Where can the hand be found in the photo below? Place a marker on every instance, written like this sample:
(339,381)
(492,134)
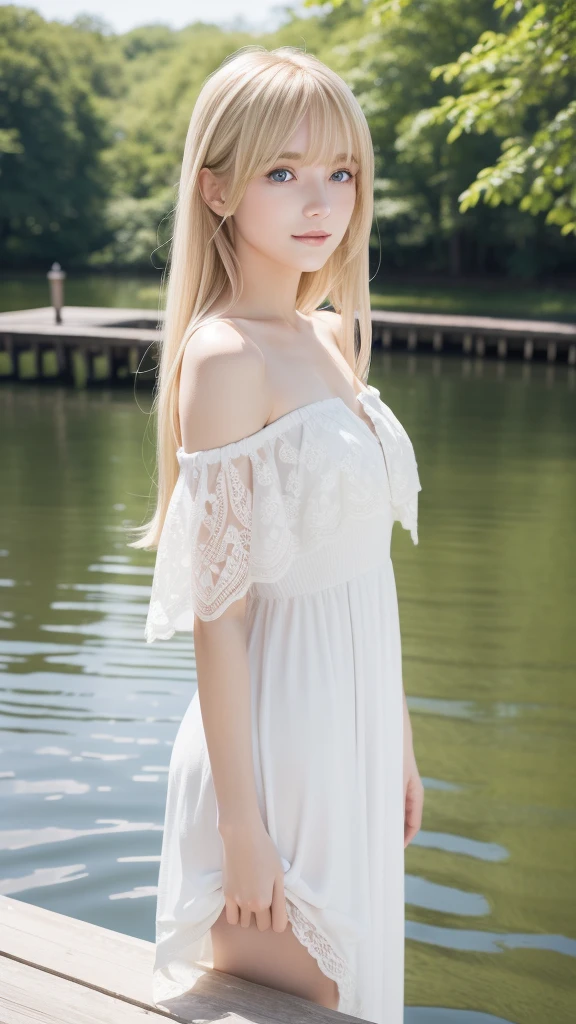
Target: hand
(413,799)
(253,878)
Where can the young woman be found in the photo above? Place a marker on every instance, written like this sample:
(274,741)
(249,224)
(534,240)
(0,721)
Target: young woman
(293,787)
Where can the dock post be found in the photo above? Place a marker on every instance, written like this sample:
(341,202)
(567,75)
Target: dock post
(64,362)
(467,343)
(502,347)
(551,351)
(480,346)
(528,348)
(412,340)
(11,351)
(90,367)
(572,355)
(437,341)
(56,279)
(118,368)
(387,338)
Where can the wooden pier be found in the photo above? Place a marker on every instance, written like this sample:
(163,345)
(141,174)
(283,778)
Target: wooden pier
(483,336)
(54,968)
(107,345)
(92,344)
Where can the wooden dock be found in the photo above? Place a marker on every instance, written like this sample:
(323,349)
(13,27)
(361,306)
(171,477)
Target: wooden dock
(483,336)
(93,344)
(55,969)
(107,345)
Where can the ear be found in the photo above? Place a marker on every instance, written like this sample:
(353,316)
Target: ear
(211,190)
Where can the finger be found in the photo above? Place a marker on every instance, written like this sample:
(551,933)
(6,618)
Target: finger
(245,917)
(409,834)
(279,915)
(412,824)
(263,919)
(415,809)
(232,912)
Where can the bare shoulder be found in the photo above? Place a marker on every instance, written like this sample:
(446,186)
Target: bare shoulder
(333,320)
(223,393)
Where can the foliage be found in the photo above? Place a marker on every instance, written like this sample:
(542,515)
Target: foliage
(388,61)
(92,129)
(519,85)
(139,230)
(53,130)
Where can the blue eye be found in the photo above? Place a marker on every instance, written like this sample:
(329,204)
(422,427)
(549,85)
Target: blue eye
(285,171)
(279,170)
(344,171)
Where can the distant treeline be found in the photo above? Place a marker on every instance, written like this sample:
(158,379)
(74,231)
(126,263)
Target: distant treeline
(470,105)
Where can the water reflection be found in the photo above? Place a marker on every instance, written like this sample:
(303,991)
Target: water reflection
(88,711)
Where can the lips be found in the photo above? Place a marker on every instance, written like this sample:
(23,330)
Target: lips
(313,239)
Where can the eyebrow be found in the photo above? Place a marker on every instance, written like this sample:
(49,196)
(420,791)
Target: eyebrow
(299,156)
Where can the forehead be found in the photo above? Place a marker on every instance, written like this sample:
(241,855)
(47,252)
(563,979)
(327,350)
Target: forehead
(321,137)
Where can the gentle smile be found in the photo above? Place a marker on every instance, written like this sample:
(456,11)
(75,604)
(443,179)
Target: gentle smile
(313,237)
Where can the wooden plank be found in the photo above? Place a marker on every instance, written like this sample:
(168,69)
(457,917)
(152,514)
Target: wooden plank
(97,956)
(216,992)
(479,324)
(83,324)
(62,332)
(93,319)
(76,316)
(120,966)
(28,995)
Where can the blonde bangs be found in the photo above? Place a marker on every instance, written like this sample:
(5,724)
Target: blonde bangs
(275,113)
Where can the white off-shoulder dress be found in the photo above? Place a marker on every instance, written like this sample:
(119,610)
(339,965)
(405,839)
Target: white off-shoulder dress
(297,516)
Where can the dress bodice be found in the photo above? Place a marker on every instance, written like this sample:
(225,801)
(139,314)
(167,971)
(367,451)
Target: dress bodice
(309,498)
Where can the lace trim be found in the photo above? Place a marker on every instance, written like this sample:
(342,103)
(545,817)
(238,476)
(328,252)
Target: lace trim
(240,514)
(332,965)
(241,517)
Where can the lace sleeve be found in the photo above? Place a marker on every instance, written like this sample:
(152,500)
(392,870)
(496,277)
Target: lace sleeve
(204,550)
(241,513)
(228,523)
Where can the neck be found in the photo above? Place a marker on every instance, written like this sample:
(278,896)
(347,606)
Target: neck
(269,289)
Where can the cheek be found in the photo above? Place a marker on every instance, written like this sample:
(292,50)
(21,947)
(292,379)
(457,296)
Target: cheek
(262,209)
(344,200)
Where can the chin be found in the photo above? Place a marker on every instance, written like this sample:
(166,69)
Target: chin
(313,261)
(305,262)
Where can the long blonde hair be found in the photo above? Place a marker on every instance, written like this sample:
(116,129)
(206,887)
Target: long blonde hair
(245,112)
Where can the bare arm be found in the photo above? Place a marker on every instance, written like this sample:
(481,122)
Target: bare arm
(413,787)
(222,398)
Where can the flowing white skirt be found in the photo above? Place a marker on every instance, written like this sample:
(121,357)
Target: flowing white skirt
(326,678)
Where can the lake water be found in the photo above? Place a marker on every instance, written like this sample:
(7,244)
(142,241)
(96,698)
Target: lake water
(89,712)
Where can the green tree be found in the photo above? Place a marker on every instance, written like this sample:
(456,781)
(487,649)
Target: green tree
(162,74)
(518,84)
(386,51)
(53,183)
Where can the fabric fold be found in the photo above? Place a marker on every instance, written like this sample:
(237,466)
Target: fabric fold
(400,459)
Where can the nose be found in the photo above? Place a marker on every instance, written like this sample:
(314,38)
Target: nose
(316,204)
